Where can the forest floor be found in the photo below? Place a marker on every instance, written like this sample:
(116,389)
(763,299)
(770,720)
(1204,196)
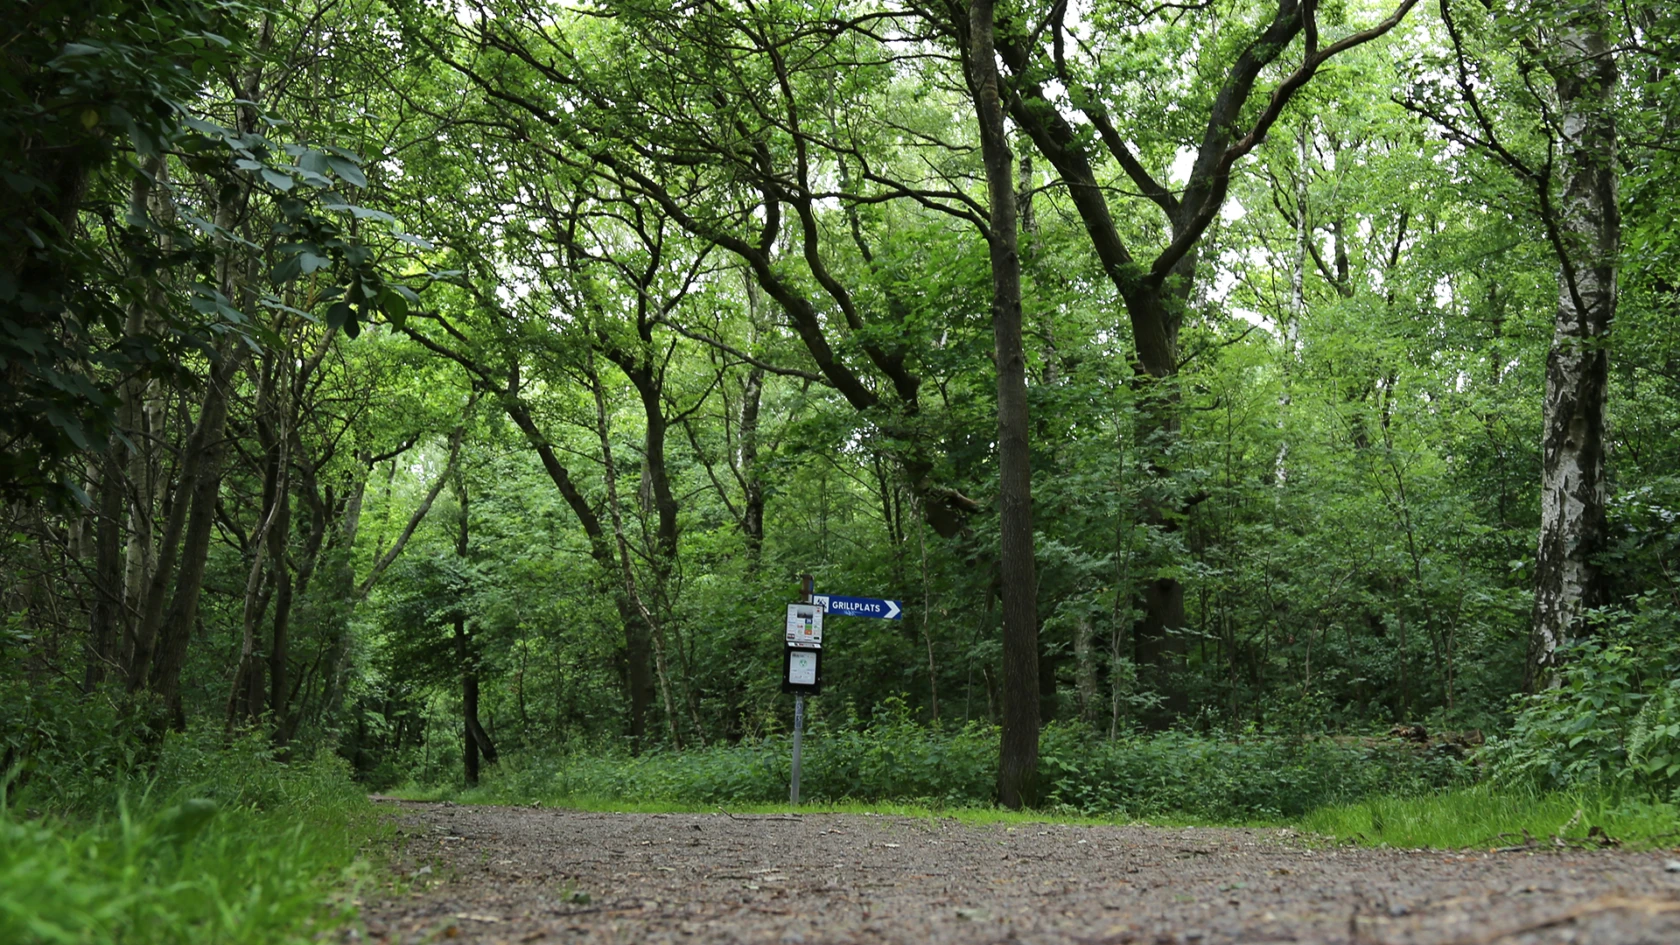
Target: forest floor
(524,875)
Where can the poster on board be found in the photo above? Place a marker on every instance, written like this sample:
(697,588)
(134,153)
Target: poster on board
(804,625)
(802,670)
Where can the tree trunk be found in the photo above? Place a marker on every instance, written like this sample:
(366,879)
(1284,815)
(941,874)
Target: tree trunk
(752,488)
(246,700)
(469,703)
(200,470)
(1567,580)
(1085,669)
(475,742)
(646,623)
(638,676)
(344,593)
(1018,761)
(105,614)
(201,492)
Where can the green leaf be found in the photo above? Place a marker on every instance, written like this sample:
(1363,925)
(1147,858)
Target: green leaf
(287,270)
(367,213)
(347,170)
(395,306)
(277,180)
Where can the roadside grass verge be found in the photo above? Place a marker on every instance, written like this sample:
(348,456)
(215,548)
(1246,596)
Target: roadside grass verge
(1351,791)
(1470,818)
(970,814)
(1168,777)
(218,845)
(1485,817)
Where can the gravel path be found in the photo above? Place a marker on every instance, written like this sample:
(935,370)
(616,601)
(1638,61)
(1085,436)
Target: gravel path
(519,875)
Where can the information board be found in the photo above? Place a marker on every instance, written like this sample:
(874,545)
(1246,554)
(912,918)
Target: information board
(804,624)
(802,670)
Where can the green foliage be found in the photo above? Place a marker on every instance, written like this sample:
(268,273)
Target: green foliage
(130,176)
(1611,721)
(1264,777)
(211,844)
(893,760)
(1485,816)
(75,750)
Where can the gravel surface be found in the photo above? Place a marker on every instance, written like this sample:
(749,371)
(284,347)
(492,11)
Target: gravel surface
(507,874)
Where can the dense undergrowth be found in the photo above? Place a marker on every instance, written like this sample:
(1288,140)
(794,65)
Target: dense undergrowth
(1252,777)
(1591,753)
(1367,791)
(193,838)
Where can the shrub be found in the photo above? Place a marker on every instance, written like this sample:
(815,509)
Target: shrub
(893,759)
(1613,719)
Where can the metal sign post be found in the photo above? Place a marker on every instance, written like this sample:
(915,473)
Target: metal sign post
(802,655)
(809,587)
(798,730)
(802,676)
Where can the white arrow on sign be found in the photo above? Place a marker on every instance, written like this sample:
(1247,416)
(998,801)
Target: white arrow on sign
(892,610)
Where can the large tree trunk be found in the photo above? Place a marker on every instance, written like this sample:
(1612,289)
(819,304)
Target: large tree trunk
(342,592)
(1567,579)
(245,701)
(1018,760)
(195,492)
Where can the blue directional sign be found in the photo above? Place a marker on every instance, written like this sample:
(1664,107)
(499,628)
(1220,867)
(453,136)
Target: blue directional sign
(865,607)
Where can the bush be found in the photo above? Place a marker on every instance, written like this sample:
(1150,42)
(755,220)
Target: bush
(893,759)
(1254,777)
(1613,720)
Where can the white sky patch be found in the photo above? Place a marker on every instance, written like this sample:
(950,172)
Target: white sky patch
(1444,293)
(1183,162)
(1224,283)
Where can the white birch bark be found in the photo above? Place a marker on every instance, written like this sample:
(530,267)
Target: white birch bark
(1587,231)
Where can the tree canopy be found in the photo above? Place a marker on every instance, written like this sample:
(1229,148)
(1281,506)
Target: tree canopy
(450,380)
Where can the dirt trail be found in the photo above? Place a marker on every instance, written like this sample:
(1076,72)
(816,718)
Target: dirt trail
(520,875)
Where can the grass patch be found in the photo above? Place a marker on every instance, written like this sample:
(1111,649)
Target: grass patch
(218,845)
(1483,817)
(989,814)
(1168,777)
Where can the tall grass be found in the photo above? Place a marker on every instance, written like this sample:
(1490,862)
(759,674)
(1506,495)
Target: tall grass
(1485,816)
(893,760)
(207,844)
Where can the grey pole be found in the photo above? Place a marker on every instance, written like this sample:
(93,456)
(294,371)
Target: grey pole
(798,730)
(808,585)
